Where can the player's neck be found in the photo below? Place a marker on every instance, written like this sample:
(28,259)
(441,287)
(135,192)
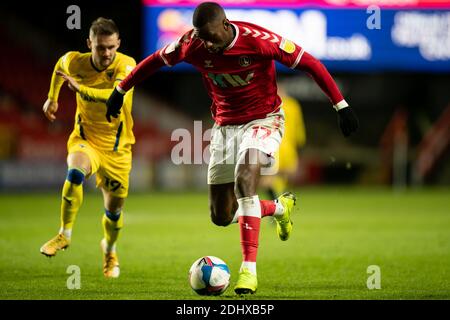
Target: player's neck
(100,68)
(232,35)
(96,68)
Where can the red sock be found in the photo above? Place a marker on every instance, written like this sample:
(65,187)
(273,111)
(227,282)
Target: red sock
(267,208)
(249,227)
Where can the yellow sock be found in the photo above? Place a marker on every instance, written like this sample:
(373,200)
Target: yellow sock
(72,197)
(111,228)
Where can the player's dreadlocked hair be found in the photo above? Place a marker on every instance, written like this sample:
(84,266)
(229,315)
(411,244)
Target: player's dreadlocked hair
(104,27)
(207,12)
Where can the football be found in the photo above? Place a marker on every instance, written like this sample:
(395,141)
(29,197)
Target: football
(209,276)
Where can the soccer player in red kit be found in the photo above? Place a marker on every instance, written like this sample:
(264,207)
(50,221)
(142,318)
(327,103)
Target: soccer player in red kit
(237,63)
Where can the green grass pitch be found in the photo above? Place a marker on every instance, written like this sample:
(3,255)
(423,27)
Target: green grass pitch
(338,233)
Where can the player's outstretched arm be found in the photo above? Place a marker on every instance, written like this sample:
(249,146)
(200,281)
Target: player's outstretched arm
(92,94)
(50,106)
(143,70)
(347,119)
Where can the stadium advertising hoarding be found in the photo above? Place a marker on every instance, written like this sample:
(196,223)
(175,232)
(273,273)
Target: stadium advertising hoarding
(296,3)
(347,35)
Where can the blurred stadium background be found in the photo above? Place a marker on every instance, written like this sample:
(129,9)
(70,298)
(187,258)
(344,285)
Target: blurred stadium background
(396,77)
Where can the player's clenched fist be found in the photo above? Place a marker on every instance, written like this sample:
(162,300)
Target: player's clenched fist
(50,107)
(114,104)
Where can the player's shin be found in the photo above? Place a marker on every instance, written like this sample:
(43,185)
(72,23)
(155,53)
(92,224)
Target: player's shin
(112,224)
(72,198)
(249,222)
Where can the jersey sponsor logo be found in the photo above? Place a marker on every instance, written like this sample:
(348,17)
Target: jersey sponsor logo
(85,97)
(245,61)
(287,46)
(224,80)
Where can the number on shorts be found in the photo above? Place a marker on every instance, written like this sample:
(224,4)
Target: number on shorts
(112,185)
(256,129)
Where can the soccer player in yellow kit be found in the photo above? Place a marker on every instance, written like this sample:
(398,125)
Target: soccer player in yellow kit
(95,146)
(294,137)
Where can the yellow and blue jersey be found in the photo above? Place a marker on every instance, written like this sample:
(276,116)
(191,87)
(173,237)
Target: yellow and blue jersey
(95,89)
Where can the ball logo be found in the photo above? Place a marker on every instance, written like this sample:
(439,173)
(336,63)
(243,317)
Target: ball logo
(245,61)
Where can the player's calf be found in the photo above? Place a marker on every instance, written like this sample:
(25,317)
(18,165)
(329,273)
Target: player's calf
(220,217)
(222,204)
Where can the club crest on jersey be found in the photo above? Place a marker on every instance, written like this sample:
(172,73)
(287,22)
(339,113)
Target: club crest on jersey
(245,61)
(287,46)
(208,64)
(110,74)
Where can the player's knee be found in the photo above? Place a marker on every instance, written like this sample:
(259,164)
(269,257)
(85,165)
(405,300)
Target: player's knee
(113,215)
(75,176)
(219,217)
(114,204)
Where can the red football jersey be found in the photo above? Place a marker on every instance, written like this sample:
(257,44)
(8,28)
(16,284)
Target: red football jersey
(241,80)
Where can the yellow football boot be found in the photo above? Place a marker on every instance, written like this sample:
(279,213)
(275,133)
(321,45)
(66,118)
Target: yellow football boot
(110,262)
(247,282)
(284,222)
(59,242)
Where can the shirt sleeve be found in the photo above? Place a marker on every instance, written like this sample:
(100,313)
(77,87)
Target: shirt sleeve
(293,56)
(322,77)
(178,50)
(283,50)
(169,55)
(56,82)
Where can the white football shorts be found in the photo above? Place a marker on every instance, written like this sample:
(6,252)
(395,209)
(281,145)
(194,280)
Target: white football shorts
(229,142)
